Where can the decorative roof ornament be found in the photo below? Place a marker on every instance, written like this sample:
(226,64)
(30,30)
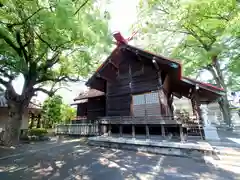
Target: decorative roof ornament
(120,39)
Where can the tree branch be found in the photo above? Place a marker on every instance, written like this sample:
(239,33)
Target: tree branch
(18,38)
(24,21)
(10,43)
(81,7)
(49,45)
(194,34)
(219,17)
(50,92)
(3,82)
(176,31)
(205,33)
(39,37)
(53,60)
(4,73)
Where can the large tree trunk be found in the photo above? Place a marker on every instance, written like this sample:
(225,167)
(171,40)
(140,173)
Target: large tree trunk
(12,127)
(219,79)
(225,108)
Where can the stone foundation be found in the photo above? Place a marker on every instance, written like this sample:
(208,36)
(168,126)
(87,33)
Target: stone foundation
(166,148)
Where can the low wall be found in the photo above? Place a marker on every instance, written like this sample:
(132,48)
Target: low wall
(166,148)
(77,129)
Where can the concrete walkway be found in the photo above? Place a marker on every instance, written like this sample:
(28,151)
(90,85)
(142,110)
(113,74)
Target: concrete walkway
(74,160)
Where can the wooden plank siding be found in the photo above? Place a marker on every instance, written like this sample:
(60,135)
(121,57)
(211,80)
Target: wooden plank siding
(95,108)
(134,77)
(82,109)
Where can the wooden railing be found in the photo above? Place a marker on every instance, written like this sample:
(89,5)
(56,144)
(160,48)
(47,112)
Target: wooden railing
(139,120)
(80,118)
(77,129)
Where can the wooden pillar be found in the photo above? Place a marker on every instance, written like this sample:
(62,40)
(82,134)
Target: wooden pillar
(163,130)
(133,131)
(147,132)
(197,110)
(109,129)
(120,130)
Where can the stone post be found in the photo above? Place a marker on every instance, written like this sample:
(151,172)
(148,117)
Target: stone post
(209,130)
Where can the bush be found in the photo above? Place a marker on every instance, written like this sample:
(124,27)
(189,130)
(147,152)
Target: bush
(37,132)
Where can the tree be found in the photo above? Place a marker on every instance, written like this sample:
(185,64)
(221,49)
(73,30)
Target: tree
(46,42)
(68,113)
(52,111)
(206,36)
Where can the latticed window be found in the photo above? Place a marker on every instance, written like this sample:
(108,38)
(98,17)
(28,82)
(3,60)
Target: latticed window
(146,104)
(152,98)
(138,99)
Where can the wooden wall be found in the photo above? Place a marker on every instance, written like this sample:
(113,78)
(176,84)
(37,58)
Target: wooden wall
(82,109)
(143,78)
(95,108)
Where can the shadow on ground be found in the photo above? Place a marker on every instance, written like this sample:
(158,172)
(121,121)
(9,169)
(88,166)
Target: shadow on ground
(81,162)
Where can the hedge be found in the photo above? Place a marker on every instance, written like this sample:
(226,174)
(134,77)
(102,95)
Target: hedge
(37,132)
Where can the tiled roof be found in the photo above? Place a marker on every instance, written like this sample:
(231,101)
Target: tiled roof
(89,94)
(79,101)
(164,61)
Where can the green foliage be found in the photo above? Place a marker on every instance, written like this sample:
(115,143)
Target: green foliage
(56,112)
(195,32)
(51,112)
(50,41)
(37,132)
(68,113)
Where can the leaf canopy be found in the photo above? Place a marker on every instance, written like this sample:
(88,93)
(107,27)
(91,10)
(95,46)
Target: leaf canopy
(194,32)
(51,40)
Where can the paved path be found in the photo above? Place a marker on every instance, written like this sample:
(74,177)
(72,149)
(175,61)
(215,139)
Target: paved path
(75,160)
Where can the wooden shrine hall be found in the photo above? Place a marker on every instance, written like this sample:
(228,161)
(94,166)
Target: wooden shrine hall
(132,92)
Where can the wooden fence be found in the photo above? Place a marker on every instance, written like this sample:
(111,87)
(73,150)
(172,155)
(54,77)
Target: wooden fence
(139,120)
(77,129)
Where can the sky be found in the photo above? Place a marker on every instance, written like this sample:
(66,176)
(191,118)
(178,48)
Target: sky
(123,14)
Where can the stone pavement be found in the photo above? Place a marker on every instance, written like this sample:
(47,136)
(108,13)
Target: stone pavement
(77,161)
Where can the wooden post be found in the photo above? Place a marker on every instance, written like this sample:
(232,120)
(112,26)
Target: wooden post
(147,132)
(120,130)
(181,133)
(133,131)
(109,130)
(163,130)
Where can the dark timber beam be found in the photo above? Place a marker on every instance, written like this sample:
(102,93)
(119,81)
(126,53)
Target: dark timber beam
(114,65)
(138,56)
(155,63)
(104,77)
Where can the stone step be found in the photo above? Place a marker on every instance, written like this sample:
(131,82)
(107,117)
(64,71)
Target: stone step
(226,164)
(227,151)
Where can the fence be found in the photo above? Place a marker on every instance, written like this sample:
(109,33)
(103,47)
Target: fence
(77,129)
